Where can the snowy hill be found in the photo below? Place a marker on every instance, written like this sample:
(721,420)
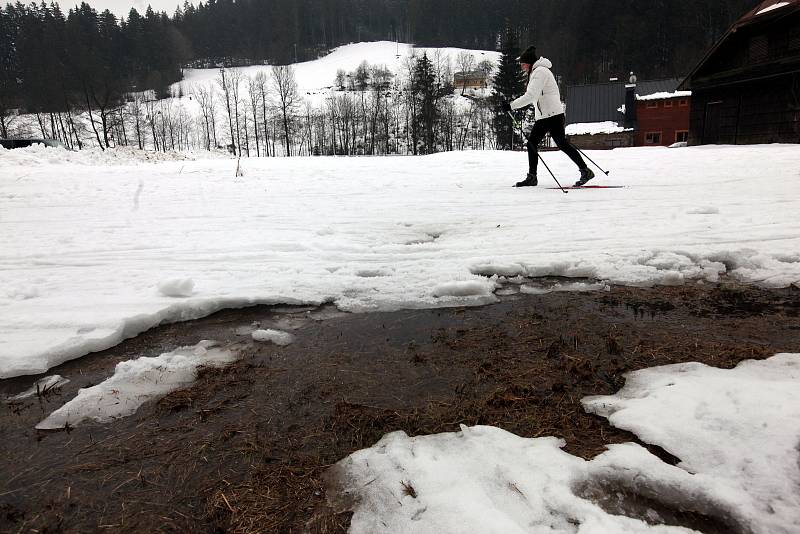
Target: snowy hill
(178,123)
(316,78)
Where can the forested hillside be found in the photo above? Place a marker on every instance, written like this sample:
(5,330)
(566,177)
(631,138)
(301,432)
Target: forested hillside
(50,57)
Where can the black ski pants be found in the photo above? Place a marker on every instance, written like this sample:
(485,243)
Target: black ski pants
(555,126)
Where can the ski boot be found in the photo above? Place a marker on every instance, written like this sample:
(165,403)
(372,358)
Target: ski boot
(530,180)
(586,175)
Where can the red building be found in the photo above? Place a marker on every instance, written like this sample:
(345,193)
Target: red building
(662,119)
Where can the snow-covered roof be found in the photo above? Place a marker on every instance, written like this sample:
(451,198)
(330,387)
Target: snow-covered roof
(593,128)
(764,11)
(776,5)
(767,6)
(664,95)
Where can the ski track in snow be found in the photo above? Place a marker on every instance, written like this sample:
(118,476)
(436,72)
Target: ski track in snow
(80,270)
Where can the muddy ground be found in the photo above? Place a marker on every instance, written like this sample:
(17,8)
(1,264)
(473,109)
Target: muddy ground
(245,448)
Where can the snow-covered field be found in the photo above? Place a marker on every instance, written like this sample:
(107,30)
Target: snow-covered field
(92,254)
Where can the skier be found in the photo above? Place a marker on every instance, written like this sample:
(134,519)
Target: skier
(549,114)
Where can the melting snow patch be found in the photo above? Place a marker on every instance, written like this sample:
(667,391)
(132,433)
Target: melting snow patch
(569,286)
(566,269)
(135,382)
(484,479)
(501,269)
(275,336)
(41,386)
(176,287)
(738,430)
(463,288)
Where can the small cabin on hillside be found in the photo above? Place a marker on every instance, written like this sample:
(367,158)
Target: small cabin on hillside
(747,87)
(474,79)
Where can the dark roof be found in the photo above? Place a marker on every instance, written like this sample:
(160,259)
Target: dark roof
(754,16)
(600,101)
(758,11)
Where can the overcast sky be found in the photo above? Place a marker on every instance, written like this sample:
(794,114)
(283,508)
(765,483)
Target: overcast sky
(121,7)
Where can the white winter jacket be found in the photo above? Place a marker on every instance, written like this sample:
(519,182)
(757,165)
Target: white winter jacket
(542,92)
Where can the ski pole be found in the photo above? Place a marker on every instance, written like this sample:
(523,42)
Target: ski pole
(551,174)
(518,125)
(592,161)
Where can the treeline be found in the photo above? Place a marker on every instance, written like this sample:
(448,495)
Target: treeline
(417,111)
(53,64)
(56,63)
(588,40)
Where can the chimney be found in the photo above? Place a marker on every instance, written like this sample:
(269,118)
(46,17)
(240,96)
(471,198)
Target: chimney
(630,103)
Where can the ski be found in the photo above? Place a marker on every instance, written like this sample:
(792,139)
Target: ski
(590,187)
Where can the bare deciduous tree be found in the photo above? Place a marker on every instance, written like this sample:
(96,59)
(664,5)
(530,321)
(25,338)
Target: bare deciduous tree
(465,63)
(224,83)
(205,99)
(236,79)
(262,87)
(253,92)
(287,98)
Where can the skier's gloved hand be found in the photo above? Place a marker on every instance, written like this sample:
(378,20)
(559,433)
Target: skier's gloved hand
(506,105)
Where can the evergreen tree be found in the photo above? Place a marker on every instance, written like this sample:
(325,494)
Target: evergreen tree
(509,83)
(425,95)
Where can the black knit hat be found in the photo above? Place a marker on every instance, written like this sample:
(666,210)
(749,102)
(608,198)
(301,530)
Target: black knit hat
(529,56)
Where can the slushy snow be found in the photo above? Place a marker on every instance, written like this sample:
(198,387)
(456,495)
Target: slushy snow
(176,287)
(481,479)
(84,247)
(41,386)
(560,288)
(735,431)
(274,336)
(134,382)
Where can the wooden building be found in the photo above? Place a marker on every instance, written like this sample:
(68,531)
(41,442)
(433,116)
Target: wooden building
(747,87)
(470,80)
